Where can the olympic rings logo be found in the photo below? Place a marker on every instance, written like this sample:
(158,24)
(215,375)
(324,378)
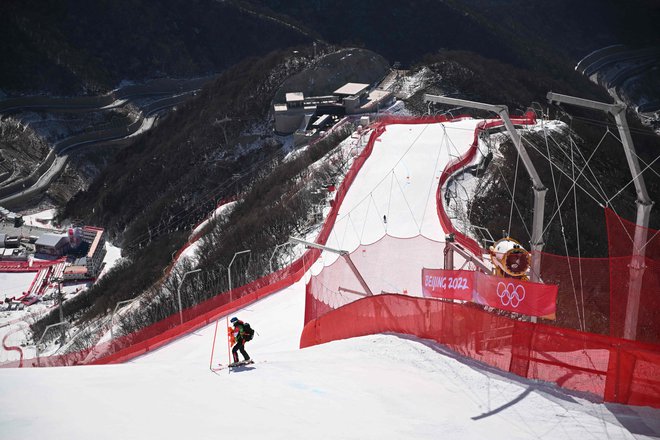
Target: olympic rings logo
(510,294)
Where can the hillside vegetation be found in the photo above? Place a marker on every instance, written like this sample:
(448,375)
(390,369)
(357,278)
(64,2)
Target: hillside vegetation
(77,47)
(470,76)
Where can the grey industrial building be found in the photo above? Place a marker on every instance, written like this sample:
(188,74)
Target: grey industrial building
(54,245)
(299,113)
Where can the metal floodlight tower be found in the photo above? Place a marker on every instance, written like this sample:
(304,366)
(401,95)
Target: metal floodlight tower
(536,242)
(178,291)
(270,261)
(644,203)
(114,313)
(231,297)
(344,254)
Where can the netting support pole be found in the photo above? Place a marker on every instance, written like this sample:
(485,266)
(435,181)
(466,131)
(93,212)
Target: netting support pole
(344,254)
(539,189)
(449,252)
(451,246)
(644,203)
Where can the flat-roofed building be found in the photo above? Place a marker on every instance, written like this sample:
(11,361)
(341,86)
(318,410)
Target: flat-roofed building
(77,270)
(377,99)
(96,239)
(7,254)
(89,266)
(54,245)
(295,99)
(352,89)
(352,96)
(290,115)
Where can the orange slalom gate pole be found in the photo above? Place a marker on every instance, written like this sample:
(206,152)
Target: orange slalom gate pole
(228,346)
(215,334)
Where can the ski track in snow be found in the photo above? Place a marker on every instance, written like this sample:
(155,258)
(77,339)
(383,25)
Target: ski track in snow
(380,386)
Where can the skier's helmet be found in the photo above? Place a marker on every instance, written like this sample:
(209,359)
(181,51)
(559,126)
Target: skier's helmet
(233,320)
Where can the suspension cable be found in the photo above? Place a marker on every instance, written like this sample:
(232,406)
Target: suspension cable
(633,179)
(637,156)
(389,200)
(428,196)
(575,147)
(593,153)
(577,234)
(513,194)
(412,214)
(366,216)
(378,212)
(575,183)
(522,219)
(563,232)
(600,192)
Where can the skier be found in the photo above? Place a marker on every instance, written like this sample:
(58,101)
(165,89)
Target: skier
(239,336)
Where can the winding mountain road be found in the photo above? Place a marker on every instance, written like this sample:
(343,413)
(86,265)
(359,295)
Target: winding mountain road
(174,92)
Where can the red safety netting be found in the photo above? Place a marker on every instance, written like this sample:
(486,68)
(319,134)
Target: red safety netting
(395,265)
(583,299)
(460,163)
(614,369)
(630,273)
(158,334)
(570,352)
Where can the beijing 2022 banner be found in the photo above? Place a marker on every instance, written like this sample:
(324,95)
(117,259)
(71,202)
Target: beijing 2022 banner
(448,284)
(524,297)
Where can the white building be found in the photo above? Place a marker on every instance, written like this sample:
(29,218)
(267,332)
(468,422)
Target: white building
(89,266)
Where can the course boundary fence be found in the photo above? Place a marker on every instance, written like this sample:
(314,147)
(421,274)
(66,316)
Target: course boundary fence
(616,370)
(156,335)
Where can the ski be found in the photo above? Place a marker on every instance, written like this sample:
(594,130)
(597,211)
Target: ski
(236,364)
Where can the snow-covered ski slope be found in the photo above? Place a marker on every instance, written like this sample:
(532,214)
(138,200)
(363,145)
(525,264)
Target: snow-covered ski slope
(382,386)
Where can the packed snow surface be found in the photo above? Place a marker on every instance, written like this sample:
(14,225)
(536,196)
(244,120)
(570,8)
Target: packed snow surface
(382,386)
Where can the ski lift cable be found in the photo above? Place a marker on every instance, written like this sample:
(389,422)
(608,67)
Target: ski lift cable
(596,122)
(601,123)
(180,216)
(211,194)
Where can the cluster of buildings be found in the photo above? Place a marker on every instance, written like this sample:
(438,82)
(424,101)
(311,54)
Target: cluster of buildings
(10,248)
(11,217)
(308,117)
(84,247)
